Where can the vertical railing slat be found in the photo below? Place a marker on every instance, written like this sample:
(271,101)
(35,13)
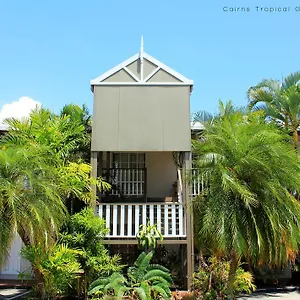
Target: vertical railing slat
(158,217)
(101,211)
(107,218)
(122,220)
(174,220)
(137,218)
(180,220)
(144,213)
(129,220)
(151,216)
(166,217)
(115,220)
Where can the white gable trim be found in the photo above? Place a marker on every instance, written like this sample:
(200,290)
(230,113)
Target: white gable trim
(152,74)
(143,81)
(115,69)
(167,69)
(131,74)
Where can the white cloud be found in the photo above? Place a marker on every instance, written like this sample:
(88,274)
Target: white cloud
(18,109)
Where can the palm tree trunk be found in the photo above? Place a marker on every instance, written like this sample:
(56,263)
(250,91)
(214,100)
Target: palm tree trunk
(232,271)
(37,274)
(295,136)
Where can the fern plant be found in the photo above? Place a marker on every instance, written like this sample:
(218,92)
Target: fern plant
(143,281)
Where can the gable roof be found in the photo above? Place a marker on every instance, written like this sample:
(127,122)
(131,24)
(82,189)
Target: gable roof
(141,69)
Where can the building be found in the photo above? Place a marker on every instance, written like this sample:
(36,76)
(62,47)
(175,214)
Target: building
(141,144)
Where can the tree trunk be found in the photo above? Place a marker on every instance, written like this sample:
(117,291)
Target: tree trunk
(295,136)
(40,288)
(232,271)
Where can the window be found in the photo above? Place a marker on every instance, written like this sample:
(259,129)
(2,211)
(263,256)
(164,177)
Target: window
(129,160)
(129,174)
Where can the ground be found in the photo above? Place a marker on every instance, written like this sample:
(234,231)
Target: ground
(291,294)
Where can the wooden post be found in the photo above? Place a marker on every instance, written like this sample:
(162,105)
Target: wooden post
(94,164)
(189,219)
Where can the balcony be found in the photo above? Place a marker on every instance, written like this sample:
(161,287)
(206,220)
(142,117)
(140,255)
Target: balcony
(123,220)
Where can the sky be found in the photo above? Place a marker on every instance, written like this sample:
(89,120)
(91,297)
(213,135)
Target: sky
(50,50)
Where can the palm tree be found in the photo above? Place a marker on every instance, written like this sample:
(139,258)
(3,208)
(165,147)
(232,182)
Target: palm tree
(279,100)
(61,134)
(245,209)
(30,197)
(37,175)
(65,137)
(81,116)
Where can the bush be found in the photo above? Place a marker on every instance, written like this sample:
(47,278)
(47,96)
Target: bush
(210,282)
(143,281)
(57,268)
(85,231)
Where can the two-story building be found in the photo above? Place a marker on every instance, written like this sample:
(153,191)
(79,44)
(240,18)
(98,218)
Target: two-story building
(141,144)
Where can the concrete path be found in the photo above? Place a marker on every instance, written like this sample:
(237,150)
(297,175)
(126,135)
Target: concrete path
(280,295)
(6,294)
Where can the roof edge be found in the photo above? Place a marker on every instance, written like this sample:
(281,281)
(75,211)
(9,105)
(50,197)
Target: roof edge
(143,81)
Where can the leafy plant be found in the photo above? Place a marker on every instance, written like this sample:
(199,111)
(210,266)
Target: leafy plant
(171,259)
(58,267)
(211,281)
(143,281)
(148,236)
(85,231)
(245,209)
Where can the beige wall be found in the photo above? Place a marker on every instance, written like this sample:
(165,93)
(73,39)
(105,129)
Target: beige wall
(141,118)
(161,174)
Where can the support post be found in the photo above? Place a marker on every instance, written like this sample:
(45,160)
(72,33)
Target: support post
(189,219)
(94,164)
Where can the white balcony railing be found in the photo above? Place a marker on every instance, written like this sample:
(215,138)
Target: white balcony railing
(128,182)
(124,220)
(197,183)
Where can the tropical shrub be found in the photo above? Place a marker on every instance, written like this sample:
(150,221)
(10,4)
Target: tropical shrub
(211,280)
(172,260)
(85,231)
(143,281)
(148,236)
(58,267)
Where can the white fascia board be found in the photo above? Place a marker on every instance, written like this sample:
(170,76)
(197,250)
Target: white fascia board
(117,68)
(4,127)
(168,69)
(197,126)
(143,83)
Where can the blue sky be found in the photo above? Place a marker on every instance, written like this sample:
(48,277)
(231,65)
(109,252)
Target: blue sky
(49,50)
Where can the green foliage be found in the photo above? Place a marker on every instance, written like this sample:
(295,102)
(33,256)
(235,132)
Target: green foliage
(76,181)
(173,260)
(80,115)
(61,134)
(248,169)
(280,101)
(85,231)
(211,281)
(144,281)
(247,207)
(148,236)
(30,198)
(58,266)
(39,171)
